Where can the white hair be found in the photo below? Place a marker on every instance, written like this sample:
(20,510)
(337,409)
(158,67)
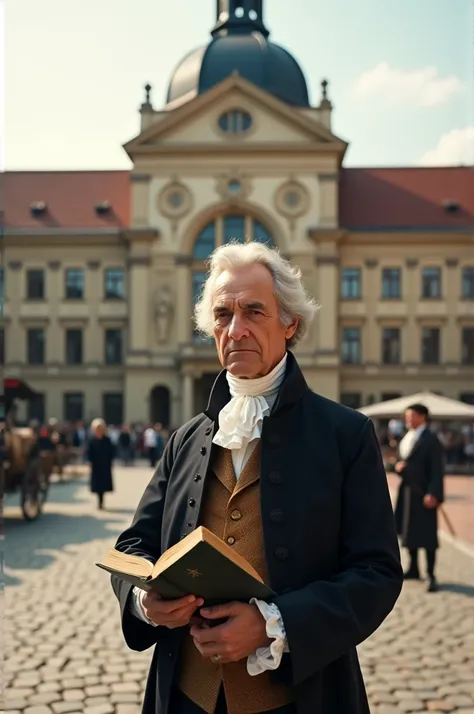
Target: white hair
(96,423)
(293,300)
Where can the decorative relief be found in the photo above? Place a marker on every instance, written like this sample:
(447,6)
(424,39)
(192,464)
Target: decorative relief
(93,265)
(412,262)
(163,309)
(292,199)
(175,200)
(15,264)
(54,264)
(371,263)
(233,186)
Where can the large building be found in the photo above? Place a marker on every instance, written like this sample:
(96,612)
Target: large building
(102,268)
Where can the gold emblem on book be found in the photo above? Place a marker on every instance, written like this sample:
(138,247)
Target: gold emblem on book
(193,573)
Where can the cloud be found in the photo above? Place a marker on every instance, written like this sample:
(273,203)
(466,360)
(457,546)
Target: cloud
(421,87)
(454,148)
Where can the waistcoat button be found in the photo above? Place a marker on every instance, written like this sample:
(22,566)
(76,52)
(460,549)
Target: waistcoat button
(192,502)
(203,450)
(276,516)
(197,477)
(236,515)
(231,540)
(275,477)
(282,553)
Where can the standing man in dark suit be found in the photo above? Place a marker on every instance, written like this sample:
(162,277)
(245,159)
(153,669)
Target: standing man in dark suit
(421,466)
(294,483)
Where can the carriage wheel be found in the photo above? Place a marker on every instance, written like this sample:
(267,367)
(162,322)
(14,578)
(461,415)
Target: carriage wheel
(34,490)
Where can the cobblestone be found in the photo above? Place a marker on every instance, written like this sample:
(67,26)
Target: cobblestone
(75,660)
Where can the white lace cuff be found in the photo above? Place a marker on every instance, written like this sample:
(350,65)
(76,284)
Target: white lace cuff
(136,606)
(269,657)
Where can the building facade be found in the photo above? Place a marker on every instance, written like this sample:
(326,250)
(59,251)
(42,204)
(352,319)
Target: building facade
(101,269)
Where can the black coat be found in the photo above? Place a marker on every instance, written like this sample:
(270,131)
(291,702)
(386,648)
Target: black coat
(332,552)
(101,453)
(424,474)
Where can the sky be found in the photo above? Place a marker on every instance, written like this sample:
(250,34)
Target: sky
(401,74)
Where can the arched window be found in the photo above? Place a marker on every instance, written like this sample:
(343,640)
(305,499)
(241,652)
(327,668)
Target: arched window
(232,227)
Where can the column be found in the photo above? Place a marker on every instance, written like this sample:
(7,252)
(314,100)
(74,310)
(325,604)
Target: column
(54,295)
(371,331)
(184,299)
(139,322)
(451,329)
(327,296)
(411,290)
(187,397)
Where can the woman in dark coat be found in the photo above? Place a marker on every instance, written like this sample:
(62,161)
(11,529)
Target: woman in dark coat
(100,456)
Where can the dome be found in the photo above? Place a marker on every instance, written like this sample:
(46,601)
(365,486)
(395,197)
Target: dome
(253,56)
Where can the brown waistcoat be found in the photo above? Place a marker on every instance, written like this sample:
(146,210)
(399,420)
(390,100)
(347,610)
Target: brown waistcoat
(231,510)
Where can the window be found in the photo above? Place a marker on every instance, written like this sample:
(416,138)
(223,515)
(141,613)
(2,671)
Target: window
(2,346)
(351,399)
(468,282)
(36,409)
(351,283)
(467,397)
(35,345)
(113,347)
(351,345)
(391,344)
(431,283)
(35,284)
(114,284)
(74,284)
(261,234)
(430,345)
(467,340)
(74,346)
(205,242)
(387,396)
(391,283)
(235,122)
(112,408)
(73,406)
(234,229)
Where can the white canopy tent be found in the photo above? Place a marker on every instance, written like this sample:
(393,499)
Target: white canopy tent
(439,407)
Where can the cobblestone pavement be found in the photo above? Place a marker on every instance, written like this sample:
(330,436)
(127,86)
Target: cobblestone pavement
(64,647)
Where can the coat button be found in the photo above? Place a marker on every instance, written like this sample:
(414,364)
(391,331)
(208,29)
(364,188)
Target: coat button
(282,553)
(197,477)
(276,516)
(231,540)
(275,477)
(192,502)
(274,439)
(203,450)
(236,515)
(208,430)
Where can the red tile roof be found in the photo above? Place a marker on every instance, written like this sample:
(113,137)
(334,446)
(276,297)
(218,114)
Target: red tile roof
(370,199)
(408,198)
(70,197)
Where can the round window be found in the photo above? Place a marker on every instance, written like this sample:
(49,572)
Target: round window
(235,121)
(234,186)
(292,199)
(176,199)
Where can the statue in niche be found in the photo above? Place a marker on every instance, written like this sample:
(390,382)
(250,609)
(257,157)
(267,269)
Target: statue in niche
(163,312)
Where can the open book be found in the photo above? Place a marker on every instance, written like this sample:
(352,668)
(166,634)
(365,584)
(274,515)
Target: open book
(201,564)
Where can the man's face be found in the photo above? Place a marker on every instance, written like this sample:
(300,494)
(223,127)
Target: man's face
(249,336)
(413,420)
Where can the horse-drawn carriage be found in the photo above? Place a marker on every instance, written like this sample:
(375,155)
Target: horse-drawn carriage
(27,466)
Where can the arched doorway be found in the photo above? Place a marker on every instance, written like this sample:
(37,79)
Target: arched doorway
(160,406)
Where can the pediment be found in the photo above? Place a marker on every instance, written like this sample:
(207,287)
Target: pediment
(195,124)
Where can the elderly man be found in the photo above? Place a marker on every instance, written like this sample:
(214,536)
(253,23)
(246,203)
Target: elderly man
(295,483)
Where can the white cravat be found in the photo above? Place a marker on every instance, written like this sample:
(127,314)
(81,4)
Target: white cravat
(240,421)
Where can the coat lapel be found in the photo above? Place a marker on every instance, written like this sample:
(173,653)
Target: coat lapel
(418,443)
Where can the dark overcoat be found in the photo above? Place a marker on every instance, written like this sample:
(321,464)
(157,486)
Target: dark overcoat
(424,474)
(100,454)
(329,534)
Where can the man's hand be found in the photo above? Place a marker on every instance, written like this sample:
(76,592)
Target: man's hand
(242,634)
(170,613)
(400,466)
(430,501)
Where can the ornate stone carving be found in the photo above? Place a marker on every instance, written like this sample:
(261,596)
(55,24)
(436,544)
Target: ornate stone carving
(54,264)
(412,262)
(175,200)
(292,199)
(233,186)
(452,262)
(371,263)
(15,264)
(327,260)
(93,264)
(163,309)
